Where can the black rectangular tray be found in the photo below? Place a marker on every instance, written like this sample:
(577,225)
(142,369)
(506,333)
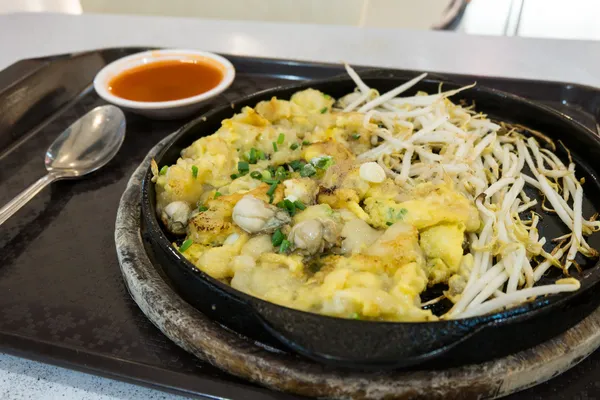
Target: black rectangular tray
(62,299)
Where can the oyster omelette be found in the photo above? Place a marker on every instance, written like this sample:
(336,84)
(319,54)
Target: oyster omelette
(341,207)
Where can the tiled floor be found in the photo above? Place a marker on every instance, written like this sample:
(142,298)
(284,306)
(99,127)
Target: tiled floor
(573,19)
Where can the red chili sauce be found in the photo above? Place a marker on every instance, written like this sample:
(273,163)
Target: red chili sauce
(166,80)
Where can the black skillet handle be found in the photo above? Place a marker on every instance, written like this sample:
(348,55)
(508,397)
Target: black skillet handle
(363,344)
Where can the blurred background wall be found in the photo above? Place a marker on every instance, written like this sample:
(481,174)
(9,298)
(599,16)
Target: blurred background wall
(572,19)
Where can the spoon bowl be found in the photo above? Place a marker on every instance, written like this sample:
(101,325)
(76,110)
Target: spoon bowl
(87,145)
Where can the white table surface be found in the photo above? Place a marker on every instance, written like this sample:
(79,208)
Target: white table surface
(34,35)
(30,35)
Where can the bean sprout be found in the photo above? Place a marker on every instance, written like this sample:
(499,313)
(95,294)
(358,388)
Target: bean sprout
(426,137)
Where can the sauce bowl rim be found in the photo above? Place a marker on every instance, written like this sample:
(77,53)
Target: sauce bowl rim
(102,78)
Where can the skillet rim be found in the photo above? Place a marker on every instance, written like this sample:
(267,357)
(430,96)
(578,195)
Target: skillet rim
(518,313)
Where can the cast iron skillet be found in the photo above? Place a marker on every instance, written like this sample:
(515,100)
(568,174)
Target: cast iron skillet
(367,344)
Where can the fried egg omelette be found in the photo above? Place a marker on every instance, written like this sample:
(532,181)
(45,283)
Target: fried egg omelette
(277,205)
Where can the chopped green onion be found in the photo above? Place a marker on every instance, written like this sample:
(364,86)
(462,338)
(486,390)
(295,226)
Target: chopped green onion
(393,215)
(233,176)
(261,155)
(355,136)
(285,245)
(290,206)
(280,138)
(281,173)
(323,110)
(277,238)
(253,155)
(322,162)
(243,167)
(355,316)
(218,194)
(299,205)
(256,175)
(274,146)
(185,245)
(272,188)
(271,191)
(163,170)
(266,174)
(305,143)
(202,208)
(296,164)
(308,170)
(270,181)
(194,171)
(294,146)
(389,223)
(390,214)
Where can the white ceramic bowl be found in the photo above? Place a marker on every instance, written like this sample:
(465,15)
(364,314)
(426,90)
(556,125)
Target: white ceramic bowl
(163,109)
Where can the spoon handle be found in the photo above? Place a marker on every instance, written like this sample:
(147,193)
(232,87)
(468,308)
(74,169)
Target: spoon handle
(22,198)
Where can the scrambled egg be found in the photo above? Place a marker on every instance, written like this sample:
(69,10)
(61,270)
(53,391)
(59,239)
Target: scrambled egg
(277,205)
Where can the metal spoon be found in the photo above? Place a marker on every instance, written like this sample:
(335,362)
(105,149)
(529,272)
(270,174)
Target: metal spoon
(90,143)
